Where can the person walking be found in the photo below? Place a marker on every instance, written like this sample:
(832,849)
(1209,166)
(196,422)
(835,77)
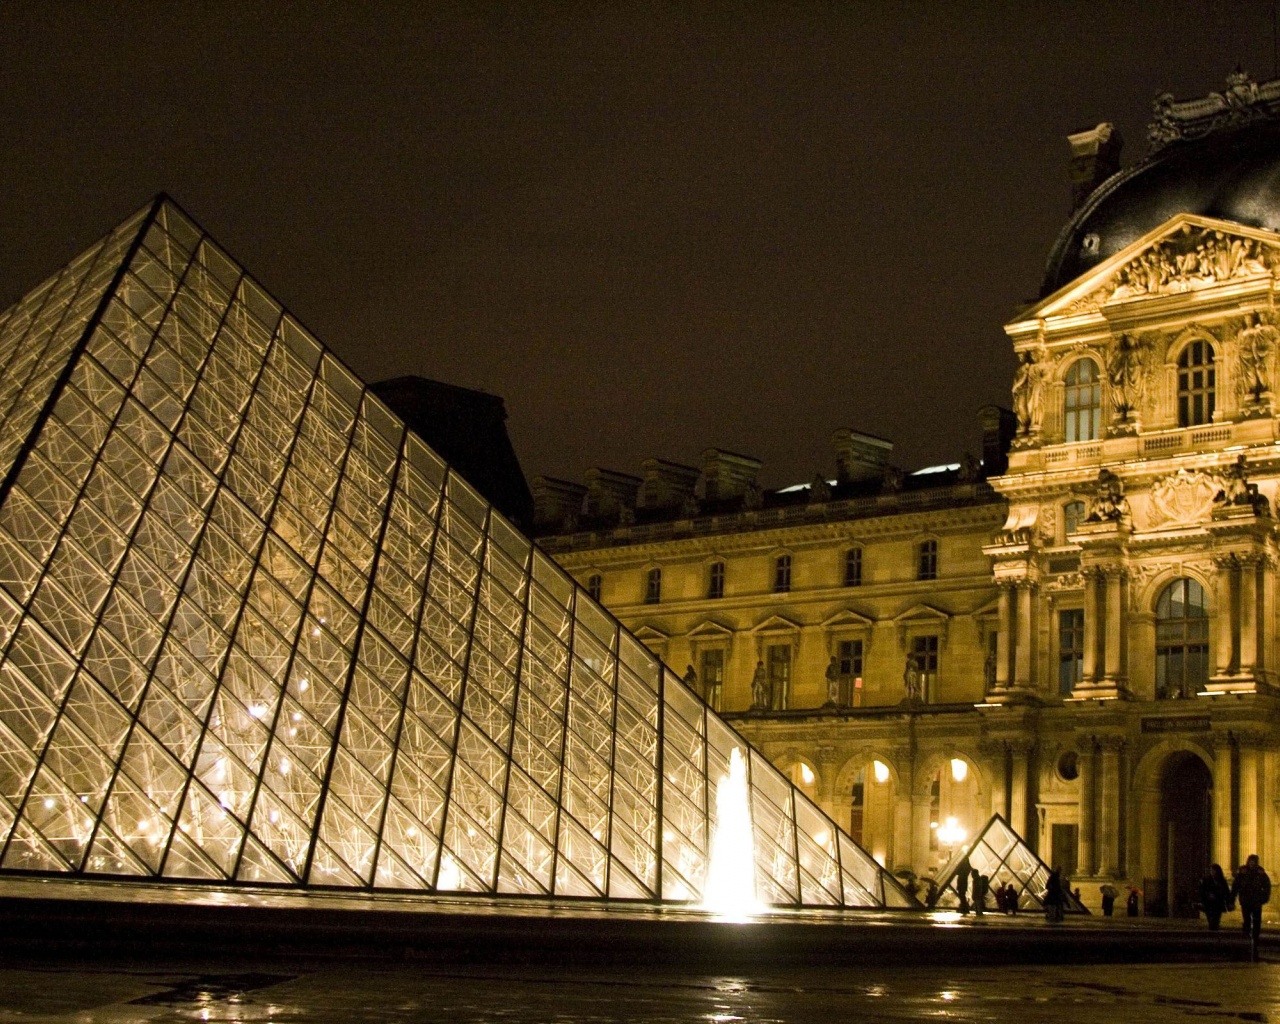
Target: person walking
(1252,889)
(1054,897)
(1109,894)
(962,884)
(1131,904)
(1215,895)
(1010,899)
(981,884)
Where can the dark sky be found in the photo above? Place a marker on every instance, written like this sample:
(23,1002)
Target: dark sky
(651,228)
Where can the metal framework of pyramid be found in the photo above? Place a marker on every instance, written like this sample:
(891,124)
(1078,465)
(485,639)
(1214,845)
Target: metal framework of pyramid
(253,630)
(1005,858)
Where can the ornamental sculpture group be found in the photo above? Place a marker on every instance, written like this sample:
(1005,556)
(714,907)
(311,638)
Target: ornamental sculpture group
(1109,505)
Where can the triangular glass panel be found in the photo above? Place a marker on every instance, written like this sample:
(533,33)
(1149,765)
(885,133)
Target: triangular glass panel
(252,628)
(998,852)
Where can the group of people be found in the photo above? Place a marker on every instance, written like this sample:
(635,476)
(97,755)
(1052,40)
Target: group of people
(974,888)
(1251,888)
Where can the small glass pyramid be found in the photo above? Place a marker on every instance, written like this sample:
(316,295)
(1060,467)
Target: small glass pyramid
(253,630)
(1005,858)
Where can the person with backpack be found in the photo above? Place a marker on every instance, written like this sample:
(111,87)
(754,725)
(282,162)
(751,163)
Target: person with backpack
(1252,889)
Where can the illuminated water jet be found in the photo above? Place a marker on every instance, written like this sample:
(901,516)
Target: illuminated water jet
(730,890)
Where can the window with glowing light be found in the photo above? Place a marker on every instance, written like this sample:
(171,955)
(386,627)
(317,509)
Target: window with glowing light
(1182,640)
(1082,401)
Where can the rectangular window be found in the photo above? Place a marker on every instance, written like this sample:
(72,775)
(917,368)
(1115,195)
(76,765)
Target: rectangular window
(712,676)
(925,651)
(853,567)
(653,587)
(782,574)
(715,580)
(1070,650)
(849,666)
(928,563)
(594,586)
(779,669)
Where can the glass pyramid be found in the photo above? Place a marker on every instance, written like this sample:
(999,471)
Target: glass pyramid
(253,630)
(1005,858)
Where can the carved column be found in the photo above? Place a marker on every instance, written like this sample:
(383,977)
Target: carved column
(1224,825)
(1226,659)
(1087,844)
(1109,840)
(1024,645)
(1114,659)
(1248,615)
(1004,637)
(1019,775)
(1091,630)
(1250,789)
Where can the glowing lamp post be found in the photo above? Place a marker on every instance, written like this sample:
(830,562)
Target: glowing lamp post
(950,834)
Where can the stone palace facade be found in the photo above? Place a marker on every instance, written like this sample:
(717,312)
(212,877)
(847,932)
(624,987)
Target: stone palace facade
(1079,632)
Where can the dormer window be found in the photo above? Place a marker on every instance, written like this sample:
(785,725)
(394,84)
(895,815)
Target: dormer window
(1195,384)
(1082,401)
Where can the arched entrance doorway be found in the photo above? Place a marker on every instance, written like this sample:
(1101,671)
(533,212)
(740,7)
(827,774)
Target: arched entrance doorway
(1186,816)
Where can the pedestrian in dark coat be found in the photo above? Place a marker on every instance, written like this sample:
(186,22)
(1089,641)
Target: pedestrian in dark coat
(1054,897)
(981,885)
(1252,888)
(1109,894)
(1010,899)
(1131,904)
(1215,896)
(962,884)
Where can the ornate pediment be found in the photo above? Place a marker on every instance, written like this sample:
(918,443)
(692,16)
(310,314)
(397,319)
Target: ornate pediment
(1183,498)
(1186,254)
(1191,259)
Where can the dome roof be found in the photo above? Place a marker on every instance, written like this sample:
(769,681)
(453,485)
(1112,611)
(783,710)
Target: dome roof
(1229,171)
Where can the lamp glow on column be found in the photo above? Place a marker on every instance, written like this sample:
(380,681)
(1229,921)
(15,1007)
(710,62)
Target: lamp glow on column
(951,834)
(730,890)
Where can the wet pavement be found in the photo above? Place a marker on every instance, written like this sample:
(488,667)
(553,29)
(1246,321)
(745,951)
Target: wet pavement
(392,993)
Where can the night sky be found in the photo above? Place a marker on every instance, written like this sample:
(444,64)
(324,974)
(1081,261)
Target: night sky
(650,228)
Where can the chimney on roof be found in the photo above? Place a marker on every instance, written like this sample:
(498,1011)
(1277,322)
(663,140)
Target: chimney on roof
(727,475)
(557,504)
(610,493)
(666,484)
(998,429)
(1095,156)
(859,456)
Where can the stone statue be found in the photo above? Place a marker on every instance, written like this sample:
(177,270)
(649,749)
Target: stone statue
(1028,393)
(1257,342)
(893,479)
(753,497)
(691,680)
(1124,372)
(759,689)
(1109,503)
(989,670)
(833,681)
(1237,491)
(970,469)
(912,680)
(819,489)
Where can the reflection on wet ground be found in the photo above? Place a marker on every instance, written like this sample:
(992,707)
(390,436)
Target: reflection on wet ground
(389,994)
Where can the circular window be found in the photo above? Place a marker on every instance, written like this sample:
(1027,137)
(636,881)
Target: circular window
(1068,766)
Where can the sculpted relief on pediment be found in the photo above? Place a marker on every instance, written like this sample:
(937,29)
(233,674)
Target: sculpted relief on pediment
(1183,498)
(1192,259)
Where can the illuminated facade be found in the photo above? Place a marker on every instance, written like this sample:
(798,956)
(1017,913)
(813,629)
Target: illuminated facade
(253,630)
(1082,637)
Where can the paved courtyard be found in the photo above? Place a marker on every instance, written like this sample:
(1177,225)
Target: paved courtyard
(80,994)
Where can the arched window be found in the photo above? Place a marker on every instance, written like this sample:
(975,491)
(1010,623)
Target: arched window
(782,574)
(853,567)
(857,804)
(653,587)
(1195,384)
(927,560)
(715,580)
(1072,517)
(1083,401)
(1182,640)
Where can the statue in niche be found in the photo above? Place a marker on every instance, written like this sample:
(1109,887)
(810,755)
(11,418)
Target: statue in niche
(1028,393)
(759,689)
(1257,342)
(989,669)
(833,681)
(1109,504)
(691,680)
(1237,491)
(913,680)
(1124,373)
